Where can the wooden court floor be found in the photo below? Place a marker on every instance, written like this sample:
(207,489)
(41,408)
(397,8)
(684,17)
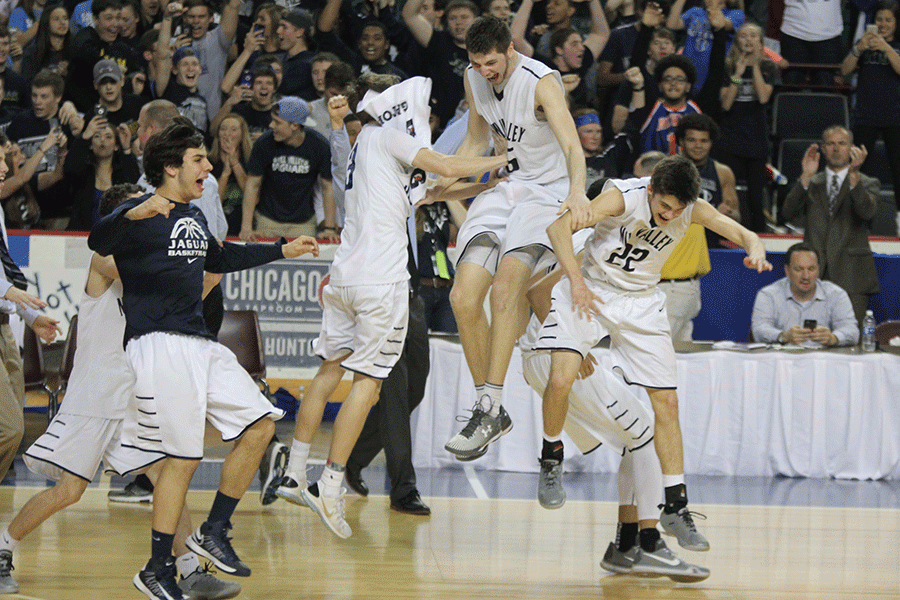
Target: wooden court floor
(469,548)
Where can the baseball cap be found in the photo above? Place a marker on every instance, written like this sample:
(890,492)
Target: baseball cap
(107,69)
(299,18)
(293,109)
(181,53)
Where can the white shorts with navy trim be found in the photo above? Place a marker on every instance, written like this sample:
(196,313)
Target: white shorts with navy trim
(602,410)
(369,321)
(76,444)
(640,337)
(535,210)
(181,382)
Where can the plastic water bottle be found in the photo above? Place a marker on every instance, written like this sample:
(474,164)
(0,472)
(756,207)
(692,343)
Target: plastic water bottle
(867,339)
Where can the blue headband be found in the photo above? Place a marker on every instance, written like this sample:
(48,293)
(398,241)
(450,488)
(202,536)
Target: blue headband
(587,120)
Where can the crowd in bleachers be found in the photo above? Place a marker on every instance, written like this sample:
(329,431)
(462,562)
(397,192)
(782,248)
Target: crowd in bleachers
(74,77)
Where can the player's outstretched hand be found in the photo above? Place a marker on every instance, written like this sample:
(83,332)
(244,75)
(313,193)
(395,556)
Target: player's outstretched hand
(757,263)
(46,328)
(580,207)
(24,299)
(301,246)
(584,302)
(587,366)
(152,206)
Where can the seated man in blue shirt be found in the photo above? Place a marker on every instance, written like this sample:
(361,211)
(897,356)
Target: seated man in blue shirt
(801,308)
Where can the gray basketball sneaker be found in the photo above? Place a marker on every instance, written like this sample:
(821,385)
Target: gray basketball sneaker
(481,430)
(550,489)
(681,525)
(663,563)
(618,562)
(201,585)
(8,585)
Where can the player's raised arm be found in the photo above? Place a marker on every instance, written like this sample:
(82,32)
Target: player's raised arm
(709,217)
(549,96)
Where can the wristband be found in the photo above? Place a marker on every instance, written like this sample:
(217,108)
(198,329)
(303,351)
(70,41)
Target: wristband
(637,89)
(737,80)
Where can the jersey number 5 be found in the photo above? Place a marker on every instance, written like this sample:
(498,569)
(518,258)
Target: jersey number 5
(628,254)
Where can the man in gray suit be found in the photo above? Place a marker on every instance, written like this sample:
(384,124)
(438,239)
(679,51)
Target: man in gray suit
(838,202)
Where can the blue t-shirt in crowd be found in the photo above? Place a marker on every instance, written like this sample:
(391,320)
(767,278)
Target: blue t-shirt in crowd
(19,19)
(81,17)
(698,44)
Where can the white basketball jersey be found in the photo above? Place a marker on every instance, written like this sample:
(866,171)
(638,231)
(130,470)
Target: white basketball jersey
(374,238)
(629,251)
(534,153)
(102,382)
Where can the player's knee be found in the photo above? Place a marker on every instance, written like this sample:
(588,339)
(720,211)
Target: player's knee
(559,385)
(68,492)
(264,428)
(463,303)
(665,404)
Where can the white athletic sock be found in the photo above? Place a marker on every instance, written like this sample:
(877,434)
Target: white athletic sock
(187,563)
(670,480)
(7,542)
(648,484)
(552,438)
(330,483)
(296,467)
(491,399)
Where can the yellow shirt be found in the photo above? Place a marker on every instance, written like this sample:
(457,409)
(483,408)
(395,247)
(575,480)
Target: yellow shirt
(690,258)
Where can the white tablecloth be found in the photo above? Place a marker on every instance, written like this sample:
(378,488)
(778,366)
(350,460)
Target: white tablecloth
(813,414)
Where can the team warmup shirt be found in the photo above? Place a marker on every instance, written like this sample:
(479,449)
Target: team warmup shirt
(161,263)
(534,153)
(374,238)
(630,250)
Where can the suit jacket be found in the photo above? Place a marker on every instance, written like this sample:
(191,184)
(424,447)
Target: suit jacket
(842,239)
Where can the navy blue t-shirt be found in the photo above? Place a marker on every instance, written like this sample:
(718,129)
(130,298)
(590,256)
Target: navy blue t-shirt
(161,261)
(289,174)
(190,104)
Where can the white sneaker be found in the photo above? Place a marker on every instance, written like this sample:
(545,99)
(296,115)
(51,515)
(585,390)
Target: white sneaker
(330,509)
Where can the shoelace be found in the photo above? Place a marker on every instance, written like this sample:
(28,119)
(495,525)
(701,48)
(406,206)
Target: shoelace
(552,479)
(205,571)
(687,515)
(472,422)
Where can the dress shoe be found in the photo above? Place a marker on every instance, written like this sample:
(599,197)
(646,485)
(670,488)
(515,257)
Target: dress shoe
(411,504)
(355,482)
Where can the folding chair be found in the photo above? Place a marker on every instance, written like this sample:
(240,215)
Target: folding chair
(240,333)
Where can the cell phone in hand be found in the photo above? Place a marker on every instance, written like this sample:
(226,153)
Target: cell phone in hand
(810,324)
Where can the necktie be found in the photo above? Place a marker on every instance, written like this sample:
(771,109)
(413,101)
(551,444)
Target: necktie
(833,190)
(13,273)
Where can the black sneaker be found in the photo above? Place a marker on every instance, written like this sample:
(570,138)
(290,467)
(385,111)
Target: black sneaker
(134,492)
(271,471)
(160,584)
(8,585)
(211,541)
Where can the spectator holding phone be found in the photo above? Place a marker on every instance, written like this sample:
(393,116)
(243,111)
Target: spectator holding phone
(118,107)
(801,308)
(98,159)
(253,103)
(30,131)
